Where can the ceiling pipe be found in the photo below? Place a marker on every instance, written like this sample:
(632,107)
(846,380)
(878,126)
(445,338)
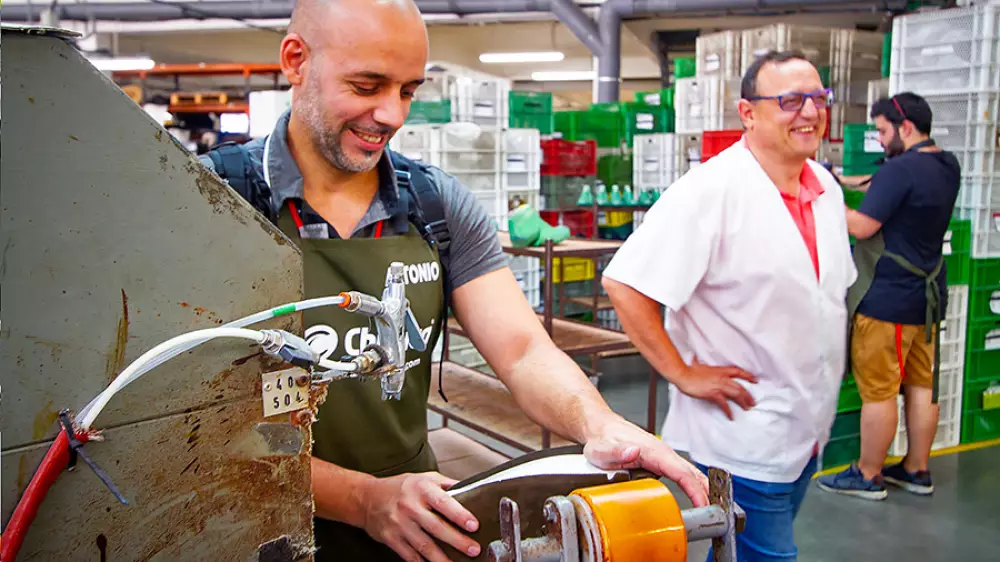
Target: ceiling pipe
(570,14)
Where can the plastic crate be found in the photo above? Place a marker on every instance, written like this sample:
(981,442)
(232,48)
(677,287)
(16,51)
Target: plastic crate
(569,158)
(980,425)
(575,269)
(863,160)
(720,96)
(655,161)
(982,361)
(685,67)
(418,142)
(816,43)
(714,142)
(849,399)
(527,272)
(614,169)
(613,218)
(657,97)
(946,51)
(877,89)
(620,232)
(688,111)
(642,119)
(862,139)
(520,161)
(529,102)
(422,112)
(718,54)
(541,121)
(604,123)
(580,223)
(966,125)
(564,191)
(860,169)
(948,432)
(979,201)
(956,250)
(608,319)
(480,100)
(984,302)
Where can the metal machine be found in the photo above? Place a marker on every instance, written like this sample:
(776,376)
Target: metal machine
(635,520)
(113,239)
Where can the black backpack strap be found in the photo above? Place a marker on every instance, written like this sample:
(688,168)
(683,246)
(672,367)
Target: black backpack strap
(427,214)
(233,163)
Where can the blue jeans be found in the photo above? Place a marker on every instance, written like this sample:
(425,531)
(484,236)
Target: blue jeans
(771,509)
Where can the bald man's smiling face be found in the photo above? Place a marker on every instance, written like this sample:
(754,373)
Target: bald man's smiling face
(360,63)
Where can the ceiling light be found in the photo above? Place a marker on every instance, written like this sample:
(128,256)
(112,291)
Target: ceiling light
(539,56)
(122,63)
(561,75)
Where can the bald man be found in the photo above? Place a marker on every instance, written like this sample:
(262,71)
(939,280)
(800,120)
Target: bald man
(325,177)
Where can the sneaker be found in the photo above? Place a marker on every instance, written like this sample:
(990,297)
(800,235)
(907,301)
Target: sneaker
(914,482)
(851,482)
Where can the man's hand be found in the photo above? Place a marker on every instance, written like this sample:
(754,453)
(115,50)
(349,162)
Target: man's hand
(402,512)
(622,445)
(716,384)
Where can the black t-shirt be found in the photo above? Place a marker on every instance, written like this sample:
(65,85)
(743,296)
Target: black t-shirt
(913,196)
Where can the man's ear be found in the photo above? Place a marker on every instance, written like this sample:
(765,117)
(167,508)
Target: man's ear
(745,109)
(293,56)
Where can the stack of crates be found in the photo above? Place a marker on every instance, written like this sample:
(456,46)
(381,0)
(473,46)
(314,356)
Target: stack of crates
(717,82)
(501,167)
(567,168)
(877,89)
(952,58)
(660,160)
(456,94)
(530,110)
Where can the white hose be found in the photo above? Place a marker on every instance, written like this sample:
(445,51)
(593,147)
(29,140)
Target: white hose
(132,372)
(198,336)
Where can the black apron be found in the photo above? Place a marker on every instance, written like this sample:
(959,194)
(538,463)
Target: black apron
(356,429)
(867,254)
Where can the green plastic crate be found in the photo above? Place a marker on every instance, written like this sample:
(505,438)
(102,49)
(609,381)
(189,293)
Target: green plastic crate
(824,75)
(853,198)
(854,139)
(846,424)
(642,119)
(841,451)
(850,397)
(567,123)
(602,123)
(886,54)
(982,360)
(957,262)
(984,284)
(859,170)
(657,97)
(862,159)
(615,169)
(564,191)
(541,121)
(529,102)
(684,67)
(980,425)
(423,112)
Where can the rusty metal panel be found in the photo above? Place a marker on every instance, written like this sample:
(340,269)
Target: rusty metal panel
(113,239)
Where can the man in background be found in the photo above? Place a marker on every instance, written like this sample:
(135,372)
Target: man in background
(899,299)
(749,254)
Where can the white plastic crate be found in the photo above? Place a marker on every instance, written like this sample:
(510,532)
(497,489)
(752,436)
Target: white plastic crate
(877,89)
(946,51)
(718,54)
(418,142)
(528,273)
(949,418)
(966,124)
(858,50)
(953,329)
(816,43)
(979,201)
(720,97)
(521,160)
(608,319)
(840,115)
(654,161)
(832,152)
(481,101)
(688,111)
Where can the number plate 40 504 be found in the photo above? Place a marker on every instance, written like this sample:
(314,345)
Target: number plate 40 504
(284,391)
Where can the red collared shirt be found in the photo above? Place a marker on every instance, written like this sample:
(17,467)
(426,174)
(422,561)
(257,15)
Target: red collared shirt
(802,213)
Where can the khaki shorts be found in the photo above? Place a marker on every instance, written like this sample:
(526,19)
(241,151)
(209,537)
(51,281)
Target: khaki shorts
(885,355)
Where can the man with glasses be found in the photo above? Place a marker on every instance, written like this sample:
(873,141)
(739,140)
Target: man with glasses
(898,302)
(749,255)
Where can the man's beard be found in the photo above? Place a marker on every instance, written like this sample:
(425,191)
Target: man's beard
(327,140)
(895,146)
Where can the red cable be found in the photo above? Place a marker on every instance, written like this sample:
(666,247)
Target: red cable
(295,214)
(56,460)
(378,230)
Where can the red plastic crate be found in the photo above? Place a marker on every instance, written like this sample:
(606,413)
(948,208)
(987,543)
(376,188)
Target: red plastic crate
(714,142)
(569,158)
(580,223)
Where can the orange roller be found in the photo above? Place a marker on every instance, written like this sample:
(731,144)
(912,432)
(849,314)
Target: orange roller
(637,520)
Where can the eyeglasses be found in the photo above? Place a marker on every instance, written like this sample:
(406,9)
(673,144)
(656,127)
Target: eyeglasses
(795,101)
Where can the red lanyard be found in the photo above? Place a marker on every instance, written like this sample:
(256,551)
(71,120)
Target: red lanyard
(299,224)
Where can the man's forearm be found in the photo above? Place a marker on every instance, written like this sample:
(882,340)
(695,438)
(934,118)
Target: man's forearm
(642,319)
(555,393)
(339,493)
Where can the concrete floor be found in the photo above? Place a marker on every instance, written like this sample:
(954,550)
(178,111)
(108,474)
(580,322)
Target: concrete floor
(959,523)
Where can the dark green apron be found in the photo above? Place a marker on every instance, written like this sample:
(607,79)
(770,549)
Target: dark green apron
(356,429)
(867,253)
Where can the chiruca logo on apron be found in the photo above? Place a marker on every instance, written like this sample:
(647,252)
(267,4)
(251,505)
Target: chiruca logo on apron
(425,272)
(325,340)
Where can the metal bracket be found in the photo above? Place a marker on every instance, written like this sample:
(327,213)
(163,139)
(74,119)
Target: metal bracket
(720,493)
